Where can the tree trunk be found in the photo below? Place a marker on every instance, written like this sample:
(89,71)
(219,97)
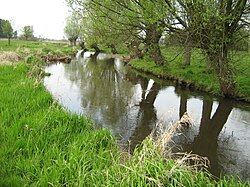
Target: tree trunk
(221,64)
(187,53)
(135,50)
(9,41)
(152,44)
(82,45)
(96,48)
(226,78)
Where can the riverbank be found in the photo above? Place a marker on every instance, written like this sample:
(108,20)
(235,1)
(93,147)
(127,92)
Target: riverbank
(44,145)
(197,75)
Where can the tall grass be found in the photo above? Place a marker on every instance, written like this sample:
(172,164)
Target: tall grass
(40,142)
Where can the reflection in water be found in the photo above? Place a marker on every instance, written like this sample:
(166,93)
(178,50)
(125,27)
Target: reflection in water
(130,106)
(206,142)
(183,94)
(146,116)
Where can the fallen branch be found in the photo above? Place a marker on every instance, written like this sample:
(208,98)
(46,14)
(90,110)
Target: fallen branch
(64,59)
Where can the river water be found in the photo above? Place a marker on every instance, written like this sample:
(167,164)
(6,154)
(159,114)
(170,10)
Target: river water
(130,104)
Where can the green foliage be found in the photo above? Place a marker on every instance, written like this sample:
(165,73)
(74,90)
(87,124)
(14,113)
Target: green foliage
(42,144)
(31,59)
(7,29)
(120,24)
(73,27)
(28,32)
(213,26)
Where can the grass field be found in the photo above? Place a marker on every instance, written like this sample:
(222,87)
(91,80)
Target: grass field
(198,73)
(36,47)
(43,145)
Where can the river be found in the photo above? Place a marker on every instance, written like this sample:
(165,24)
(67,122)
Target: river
(130,104)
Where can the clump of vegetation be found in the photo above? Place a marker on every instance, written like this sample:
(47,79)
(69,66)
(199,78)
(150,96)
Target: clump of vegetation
(8,57)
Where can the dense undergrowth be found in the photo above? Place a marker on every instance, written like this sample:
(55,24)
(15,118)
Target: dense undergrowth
(197,73)
(43,145)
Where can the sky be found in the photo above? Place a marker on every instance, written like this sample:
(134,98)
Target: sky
(46,16)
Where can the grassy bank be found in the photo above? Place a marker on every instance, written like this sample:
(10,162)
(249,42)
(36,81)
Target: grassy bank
(43,145)
(25,48)
(197,74)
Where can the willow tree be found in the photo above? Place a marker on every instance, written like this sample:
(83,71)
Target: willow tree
(72,28)
(217,23)
(213,27)
(133,22)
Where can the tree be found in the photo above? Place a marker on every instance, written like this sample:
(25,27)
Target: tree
(28,32)
(217,23)
(1,30)
(213,26)
(131,21)
(72,28)
(7,30)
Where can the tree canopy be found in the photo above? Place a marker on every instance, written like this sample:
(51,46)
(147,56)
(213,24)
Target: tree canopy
(28,32)
(6,30)
(73,28)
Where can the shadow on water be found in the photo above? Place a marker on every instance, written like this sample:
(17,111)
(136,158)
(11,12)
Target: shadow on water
(130,104)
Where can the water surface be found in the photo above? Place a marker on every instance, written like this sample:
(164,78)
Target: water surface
(130,104)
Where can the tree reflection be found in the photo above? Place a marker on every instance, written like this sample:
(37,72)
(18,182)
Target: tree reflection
(206,142)
(184,96)
(107,95)
(147,115)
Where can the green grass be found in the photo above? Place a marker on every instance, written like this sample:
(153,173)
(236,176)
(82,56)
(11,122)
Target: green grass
(242,68)
(40,142)
(43,145)
(25,48)
(197,73)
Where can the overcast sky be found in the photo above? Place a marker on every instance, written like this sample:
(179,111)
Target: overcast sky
(46,16)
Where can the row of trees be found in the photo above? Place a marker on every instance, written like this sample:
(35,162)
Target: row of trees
(214,26)
(6,31)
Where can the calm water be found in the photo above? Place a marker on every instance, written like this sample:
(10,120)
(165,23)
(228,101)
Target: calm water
(127,103)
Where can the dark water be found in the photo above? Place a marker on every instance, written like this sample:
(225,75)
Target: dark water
(130,105)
